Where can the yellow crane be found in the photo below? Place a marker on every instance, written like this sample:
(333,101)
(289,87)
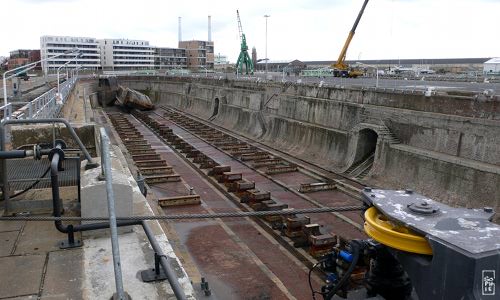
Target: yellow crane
(341,68)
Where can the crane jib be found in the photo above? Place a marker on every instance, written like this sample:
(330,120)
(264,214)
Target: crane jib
(359,16)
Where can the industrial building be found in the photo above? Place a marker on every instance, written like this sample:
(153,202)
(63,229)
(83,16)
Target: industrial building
(53,45)
(124,54)
(492,66)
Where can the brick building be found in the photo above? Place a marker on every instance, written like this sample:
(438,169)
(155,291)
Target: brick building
(200,54)
(21,57)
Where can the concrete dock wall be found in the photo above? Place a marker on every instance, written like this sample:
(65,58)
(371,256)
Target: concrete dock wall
(327,126)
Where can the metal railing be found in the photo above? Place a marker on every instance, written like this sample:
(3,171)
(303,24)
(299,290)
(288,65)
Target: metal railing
(7,110)
(43,106)
(106,170)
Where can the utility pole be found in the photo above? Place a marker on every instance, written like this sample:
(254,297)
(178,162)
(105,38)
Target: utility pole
(266,16)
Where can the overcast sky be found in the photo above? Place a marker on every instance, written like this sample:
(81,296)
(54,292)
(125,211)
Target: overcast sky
(297,29)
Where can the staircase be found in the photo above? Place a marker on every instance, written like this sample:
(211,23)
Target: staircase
(389,135)
(360,169)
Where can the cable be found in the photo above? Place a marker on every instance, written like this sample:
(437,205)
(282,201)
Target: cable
(192,216)
(355,247)
(310,283)
(32,185)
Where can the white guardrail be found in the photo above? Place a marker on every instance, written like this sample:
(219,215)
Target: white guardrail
(43,106)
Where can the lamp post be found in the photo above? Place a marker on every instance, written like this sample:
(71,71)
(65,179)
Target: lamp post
(266,16)
(74,72)
(58,69)
(27,66)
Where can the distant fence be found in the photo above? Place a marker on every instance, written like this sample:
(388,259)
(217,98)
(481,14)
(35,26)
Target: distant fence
(43,106)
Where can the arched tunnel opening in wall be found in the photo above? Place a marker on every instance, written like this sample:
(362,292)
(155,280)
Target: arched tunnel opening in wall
(216,109)
(365,153)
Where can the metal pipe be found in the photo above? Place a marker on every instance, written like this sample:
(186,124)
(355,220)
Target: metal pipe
(49,121)
(165,263)
(112,215)
(5,188)
(172,278)
(12,154)
(56,202)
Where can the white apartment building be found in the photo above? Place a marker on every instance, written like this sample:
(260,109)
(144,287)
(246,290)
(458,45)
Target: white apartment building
(53,45)
(123,54)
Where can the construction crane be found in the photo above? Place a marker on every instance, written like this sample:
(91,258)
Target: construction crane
(243,59)
(341,68)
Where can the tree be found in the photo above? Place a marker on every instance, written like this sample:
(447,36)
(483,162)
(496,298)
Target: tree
(3,63)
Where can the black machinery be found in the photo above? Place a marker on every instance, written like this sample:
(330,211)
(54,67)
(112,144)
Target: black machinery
(419,249)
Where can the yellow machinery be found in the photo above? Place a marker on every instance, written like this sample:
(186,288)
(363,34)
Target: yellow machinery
(340,68)
(393,234)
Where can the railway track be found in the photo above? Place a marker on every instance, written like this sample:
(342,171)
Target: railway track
(224,173)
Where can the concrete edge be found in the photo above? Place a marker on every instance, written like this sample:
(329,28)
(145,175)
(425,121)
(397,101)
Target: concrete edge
(460,161)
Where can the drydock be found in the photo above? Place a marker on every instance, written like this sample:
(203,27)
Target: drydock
(243,189)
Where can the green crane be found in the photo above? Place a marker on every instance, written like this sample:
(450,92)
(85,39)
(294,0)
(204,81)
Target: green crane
(243,59)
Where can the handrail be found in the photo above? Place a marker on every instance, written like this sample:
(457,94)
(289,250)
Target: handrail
(7,110)
(43,106)
(105,163)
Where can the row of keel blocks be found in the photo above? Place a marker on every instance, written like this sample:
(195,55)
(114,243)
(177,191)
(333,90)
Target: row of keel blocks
(296,227)
(154,169)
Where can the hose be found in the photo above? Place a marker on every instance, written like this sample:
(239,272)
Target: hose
(310,282)
(32,185)
(355,247)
